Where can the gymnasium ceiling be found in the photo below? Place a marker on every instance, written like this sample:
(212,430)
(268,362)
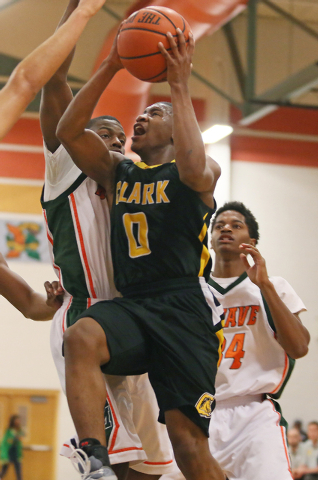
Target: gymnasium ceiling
(24,24)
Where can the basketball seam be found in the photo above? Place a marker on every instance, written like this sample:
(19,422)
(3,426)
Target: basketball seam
(144,56)
(151,78)
(144,30)
(158,11)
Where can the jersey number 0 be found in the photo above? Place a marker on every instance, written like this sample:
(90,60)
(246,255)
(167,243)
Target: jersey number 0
(136,228)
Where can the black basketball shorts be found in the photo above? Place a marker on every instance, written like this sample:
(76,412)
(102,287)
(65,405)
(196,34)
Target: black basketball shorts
(173,331)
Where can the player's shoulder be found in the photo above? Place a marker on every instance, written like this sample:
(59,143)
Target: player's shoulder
(279,282)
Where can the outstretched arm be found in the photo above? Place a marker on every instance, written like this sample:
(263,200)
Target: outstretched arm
(291,333)
(30,303)
(87,149)
(38,67)
(196,170)
(56,93)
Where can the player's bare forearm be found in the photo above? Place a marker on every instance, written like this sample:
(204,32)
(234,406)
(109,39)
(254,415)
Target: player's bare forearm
(291,333)
(56,94)
(190,154)
(38,67)
(30,303)
(86,148)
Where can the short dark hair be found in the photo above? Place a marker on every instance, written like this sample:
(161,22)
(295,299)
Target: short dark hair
(102,117)
(12,420)
(250,220)
(313,422)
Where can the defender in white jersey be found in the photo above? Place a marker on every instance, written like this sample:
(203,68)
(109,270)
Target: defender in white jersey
(263,335)
(77,218)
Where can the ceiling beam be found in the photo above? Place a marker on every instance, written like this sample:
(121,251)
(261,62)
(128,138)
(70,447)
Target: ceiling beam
(282,94)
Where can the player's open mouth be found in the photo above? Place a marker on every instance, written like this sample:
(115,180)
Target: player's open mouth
(226,238)
(139,130)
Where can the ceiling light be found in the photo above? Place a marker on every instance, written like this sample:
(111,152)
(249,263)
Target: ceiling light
(216,133)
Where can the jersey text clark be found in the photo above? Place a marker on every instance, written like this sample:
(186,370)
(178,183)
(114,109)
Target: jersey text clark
(143,194)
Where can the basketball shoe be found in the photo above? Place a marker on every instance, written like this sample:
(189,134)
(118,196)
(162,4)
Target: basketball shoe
(90,467)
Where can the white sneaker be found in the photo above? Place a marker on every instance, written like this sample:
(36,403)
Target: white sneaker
(91,468)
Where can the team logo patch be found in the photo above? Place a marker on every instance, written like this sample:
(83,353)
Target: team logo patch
(204,405)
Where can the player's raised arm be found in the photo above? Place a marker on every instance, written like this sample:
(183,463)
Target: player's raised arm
(30,303)
(56,93)
(87,149)
(195,169)
(292,335)
(38,67)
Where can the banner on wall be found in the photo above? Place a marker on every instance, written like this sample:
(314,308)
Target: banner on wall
(23,238)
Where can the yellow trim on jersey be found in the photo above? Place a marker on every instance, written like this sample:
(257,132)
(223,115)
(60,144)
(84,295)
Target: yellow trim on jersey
(205,257)
(143,165)
(220,336)
(203,233)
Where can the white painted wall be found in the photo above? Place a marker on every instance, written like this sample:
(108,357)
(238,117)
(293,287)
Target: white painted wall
(25,356)
(284,201)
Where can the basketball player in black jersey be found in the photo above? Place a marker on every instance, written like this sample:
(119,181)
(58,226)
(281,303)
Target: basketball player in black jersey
(167,323)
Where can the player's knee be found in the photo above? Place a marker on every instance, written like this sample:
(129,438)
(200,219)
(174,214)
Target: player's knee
(86,339)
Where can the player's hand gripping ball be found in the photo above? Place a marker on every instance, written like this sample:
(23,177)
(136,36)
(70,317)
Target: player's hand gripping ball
(138,39)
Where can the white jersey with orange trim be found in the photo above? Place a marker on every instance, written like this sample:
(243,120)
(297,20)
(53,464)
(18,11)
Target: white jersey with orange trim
(247,430)
(78,229)
(253,362)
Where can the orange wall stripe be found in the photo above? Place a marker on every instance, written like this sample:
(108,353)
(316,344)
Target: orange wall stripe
(26,131)
(283,152)
(284,119)
(22,165)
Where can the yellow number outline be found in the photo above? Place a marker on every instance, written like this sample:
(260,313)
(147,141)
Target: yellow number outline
(142,247)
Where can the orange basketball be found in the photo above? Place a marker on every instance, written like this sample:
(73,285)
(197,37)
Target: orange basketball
(139,37)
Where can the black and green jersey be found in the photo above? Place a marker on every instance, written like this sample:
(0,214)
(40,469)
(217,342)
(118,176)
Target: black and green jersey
(159,226)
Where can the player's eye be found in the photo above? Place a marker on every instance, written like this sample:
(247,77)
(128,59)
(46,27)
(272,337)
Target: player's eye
(105,135)
(122,142)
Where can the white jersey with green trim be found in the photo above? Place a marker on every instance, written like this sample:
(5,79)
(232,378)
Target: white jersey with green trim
(253,362)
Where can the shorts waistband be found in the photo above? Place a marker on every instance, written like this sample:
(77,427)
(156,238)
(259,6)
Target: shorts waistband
(81,303)
(235,401)
(162,286)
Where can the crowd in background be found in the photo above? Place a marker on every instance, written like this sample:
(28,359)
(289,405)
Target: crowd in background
(303,450)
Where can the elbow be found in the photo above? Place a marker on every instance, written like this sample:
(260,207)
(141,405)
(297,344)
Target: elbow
(21,82)
(300,350)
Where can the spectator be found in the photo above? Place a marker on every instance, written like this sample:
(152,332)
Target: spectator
(299,425)
(296,450)
(11,447)
(309,469)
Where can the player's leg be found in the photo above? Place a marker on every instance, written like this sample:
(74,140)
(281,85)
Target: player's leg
(182,373)
(191,449)
(134,475)
(153,435)
(86,350)
(18,469)
(4,470)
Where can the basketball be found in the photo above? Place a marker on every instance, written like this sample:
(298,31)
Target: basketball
(138,40)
